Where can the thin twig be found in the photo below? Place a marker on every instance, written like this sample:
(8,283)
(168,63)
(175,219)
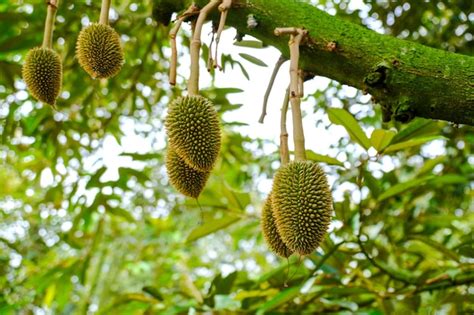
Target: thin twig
(284,151)
(104,12)
(172,35)
(193,83)
(277,67)
(326,257)
(49,24)
(363,250)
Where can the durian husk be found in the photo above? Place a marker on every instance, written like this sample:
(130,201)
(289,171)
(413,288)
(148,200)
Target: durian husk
(187,180)
(99,51)
(193,129)
(302,205)
(270,232)
(42,73)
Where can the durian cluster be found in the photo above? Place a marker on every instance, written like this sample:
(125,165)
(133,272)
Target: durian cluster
(193,130)
(297,213)
(99,53)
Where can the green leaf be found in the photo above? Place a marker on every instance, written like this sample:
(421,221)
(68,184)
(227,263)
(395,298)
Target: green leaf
(438,246)
(381,138)
(120,213)
(249,43)
(449,179)
(211,227)
(402,187)
(281,298)
(311,155)
(411,143)
(342,117)
(253,59)
(430,164)
(142,157)
(417,128)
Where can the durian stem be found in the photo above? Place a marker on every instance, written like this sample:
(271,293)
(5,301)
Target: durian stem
(193,83)
(172,35)
(296,35)
(49,24)
(284,151)
(278,64)
(224,9)
(104,12)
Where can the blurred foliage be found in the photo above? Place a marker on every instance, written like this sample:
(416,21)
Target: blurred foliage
(81,232)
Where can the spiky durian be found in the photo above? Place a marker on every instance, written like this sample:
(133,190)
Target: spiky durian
(99,51)
(270,232)
(185,179)
(42,72)
(193,129)
(302,205)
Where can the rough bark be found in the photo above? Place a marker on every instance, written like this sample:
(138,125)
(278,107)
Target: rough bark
(407,79)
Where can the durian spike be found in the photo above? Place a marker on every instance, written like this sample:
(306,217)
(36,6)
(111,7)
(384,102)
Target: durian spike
(193,83)
(276,68)
(296,36)
(224,9)
(172,35)
(49,24)
(104,12)
(284,151)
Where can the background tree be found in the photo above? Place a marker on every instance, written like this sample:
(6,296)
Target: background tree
(80,232)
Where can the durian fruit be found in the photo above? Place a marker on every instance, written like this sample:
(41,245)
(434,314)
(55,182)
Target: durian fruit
(99,51)
(42,73)
(270,232)
(185,179)
(302,205)
(193,129)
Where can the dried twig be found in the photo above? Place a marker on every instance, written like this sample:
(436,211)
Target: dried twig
(277,67)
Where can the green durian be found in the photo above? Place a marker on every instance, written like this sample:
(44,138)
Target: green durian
(193,129)
(42,73)
(270,232)
(99,51)
(302,205)
(185,179)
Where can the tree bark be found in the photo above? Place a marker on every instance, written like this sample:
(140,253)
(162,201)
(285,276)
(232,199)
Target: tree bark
(407,79)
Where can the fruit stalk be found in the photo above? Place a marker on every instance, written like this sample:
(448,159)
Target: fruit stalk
(104,12)
(49,24)
(296,35)
(284,151)
(172,35)
(193,83)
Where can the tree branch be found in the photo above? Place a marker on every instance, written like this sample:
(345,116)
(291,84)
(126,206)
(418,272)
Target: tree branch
(406,78)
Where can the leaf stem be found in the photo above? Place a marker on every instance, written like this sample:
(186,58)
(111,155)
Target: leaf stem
(49,24)
(104,12)
(193,83)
